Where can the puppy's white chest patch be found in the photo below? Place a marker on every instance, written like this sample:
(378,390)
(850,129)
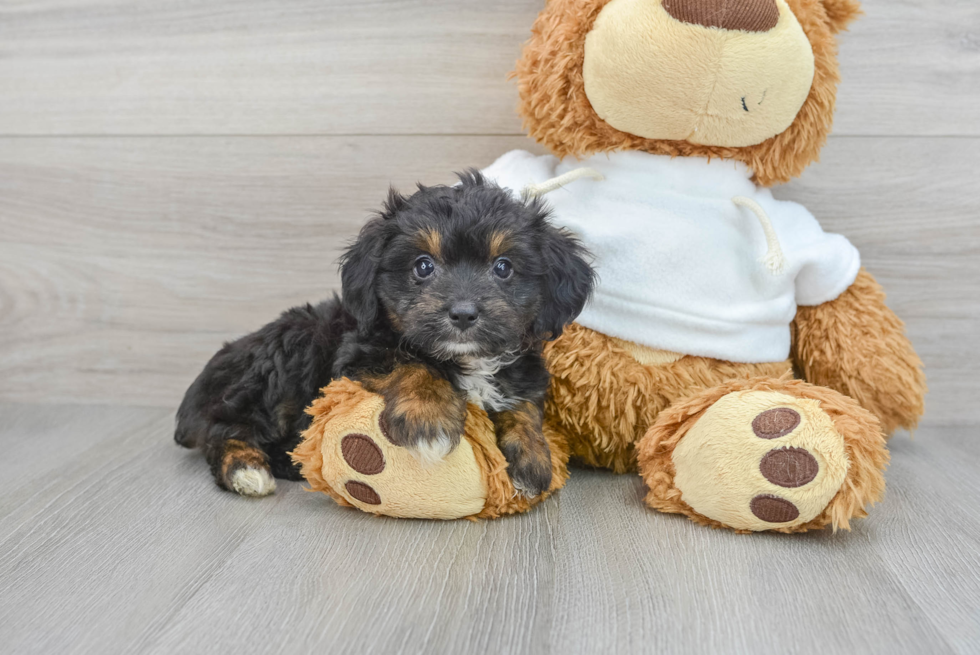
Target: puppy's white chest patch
(477,382)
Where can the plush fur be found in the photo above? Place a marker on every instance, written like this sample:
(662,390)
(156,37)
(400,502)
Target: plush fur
(856,345)
(863,443)
(448,284)
(840,13)
(604,401)
(557,112)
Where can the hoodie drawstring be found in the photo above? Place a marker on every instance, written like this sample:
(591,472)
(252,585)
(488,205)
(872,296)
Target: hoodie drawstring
(538,190)
(774,259)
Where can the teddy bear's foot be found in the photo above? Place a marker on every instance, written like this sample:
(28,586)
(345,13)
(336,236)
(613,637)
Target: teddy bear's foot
(347,454)
(765,454)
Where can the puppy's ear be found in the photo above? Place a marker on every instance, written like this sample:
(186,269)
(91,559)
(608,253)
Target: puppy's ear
(359,265)
(471,177)
(568,281)
(394,203)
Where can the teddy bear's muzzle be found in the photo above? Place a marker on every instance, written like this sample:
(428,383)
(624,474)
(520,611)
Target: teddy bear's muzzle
(729,73)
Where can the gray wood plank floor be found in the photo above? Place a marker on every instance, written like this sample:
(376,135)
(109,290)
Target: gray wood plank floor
(173,174)
(113,539)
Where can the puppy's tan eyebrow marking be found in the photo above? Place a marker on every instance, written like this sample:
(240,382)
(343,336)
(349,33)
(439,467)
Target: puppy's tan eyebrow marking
(499,243)
(430,240)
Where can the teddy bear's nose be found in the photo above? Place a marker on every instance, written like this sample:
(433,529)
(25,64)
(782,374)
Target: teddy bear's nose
(747,15)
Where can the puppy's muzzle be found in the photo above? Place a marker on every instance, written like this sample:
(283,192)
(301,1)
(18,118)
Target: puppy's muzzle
(463,315)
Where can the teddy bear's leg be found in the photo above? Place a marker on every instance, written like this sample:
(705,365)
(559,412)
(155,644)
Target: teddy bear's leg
(347,454)
(765,454)
(606,393)
(856,345)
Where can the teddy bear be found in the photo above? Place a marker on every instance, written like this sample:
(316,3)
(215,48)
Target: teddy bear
(735,355)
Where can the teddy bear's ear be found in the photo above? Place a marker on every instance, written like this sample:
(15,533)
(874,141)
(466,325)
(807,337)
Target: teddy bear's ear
(840,13)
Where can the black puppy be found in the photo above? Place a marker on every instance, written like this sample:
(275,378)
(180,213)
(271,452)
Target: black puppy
(447,297)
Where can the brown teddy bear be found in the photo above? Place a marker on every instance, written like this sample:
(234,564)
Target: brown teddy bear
(735,354)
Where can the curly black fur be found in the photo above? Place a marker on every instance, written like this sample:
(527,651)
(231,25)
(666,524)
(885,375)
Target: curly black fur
(254,390)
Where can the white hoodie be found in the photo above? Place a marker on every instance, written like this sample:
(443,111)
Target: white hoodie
(680,264)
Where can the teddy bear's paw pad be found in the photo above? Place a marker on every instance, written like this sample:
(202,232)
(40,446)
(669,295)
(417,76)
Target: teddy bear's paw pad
(362,454)
(776,423)
(363,492)
(759,460)
(789,467)
(370,472)
(773,509)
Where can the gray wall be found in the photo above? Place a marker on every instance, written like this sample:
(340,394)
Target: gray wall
(174,174)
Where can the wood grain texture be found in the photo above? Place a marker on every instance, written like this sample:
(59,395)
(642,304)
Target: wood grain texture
(128,546)
(261,67)
(394,67)
(911,67)
(104,238)
(125,262)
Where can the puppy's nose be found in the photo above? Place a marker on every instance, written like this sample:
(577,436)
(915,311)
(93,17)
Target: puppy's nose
(463,315)
(747,15)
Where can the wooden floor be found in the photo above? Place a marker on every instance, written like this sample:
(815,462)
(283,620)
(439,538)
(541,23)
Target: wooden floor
(173,174)
(112,539)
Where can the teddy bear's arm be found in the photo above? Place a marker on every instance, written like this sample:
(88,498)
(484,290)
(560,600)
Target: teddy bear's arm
(857,346)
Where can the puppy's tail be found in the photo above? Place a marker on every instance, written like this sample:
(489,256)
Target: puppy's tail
(191,424)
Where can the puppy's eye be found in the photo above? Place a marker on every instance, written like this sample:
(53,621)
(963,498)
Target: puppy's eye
(502,268)
(424,267)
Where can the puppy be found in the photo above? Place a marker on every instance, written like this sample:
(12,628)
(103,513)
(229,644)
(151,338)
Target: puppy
(447,297)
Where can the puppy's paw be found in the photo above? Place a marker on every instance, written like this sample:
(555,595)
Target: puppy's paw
(245,470)
(254,482)
(433,452)
(529,468)
(522,442)
(422,412)
(429,434)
